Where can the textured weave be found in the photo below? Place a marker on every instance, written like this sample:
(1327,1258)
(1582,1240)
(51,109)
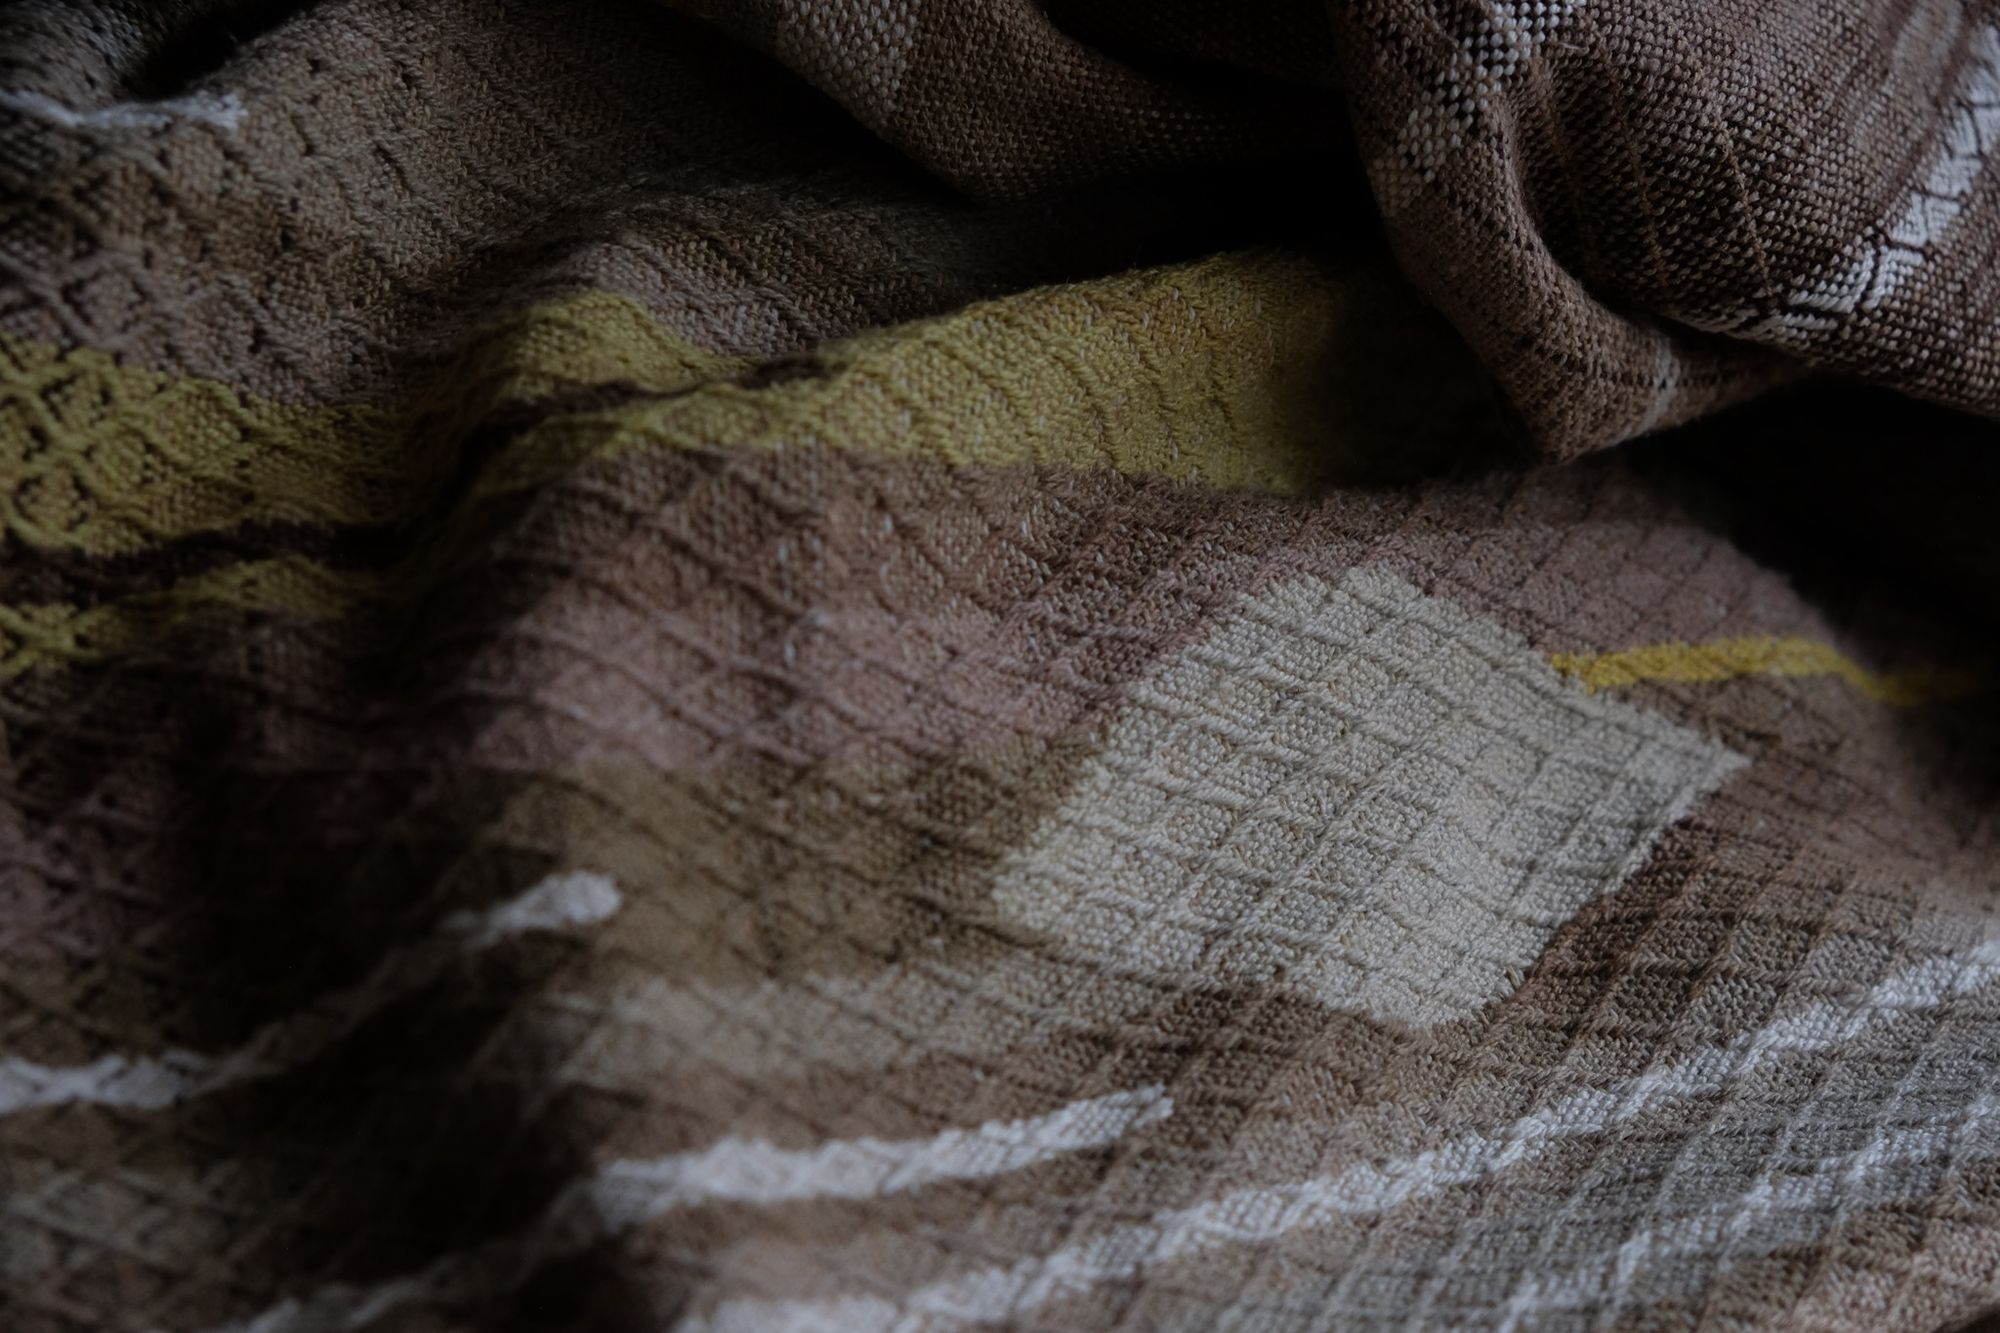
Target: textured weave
(1635,212)
(639,694)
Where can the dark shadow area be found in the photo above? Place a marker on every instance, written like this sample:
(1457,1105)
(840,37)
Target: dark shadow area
(1848,488)
(206,41)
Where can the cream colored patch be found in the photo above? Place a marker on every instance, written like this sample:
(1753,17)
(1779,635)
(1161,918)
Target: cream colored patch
(1360,792)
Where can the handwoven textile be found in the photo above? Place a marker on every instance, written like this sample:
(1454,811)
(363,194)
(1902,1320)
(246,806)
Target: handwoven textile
(888,664)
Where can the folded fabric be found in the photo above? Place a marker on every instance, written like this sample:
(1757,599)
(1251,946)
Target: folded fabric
(1636,212)
(641,692)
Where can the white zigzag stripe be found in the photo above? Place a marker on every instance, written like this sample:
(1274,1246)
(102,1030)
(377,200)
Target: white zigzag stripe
(1876,267)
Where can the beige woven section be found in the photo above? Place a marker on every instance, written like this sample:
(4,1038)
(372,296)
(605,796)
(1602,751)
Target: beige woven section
(866,665)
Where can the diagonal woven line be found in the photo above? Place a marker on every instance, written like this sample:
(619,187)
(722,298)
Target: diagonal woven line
(1260,1214)
(625,1194)
(1875,268)
(147,1083)
(1814,1195)
(1764,655)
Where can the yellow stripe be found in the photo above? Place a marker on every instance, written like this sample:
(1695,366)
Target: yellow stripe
(105,458)
(1201,374)
(1762,655)
(51,635)
(1243,371)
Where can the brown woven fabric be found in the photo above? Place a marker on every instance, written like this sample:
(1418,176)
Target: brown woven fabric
(639,692)
(1635,213)
(1007,98)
